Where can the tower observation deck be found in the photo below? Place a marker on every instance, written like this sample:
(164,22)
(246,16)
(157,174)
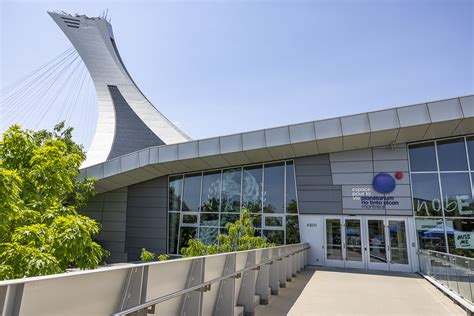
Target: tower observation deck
(127,121)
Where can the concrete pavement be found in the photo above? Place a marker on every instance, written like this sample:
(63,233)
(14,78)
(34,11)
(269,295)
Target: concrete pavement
(359,292)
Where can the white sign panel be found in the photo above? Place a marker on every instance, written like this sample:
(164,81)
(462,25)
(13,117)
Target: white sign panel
(464,240)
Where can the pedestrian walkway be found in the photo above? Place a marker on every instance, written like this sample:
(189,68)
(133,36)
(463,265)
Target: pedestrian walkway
(328,291)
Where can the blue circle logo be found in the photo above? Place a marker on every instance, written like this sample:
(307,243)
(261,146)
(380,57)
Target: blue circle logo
(383,183)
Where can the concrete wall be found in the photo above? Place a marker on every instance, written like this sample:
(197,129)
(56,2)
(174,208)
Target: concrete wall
(147,217)
(110,210)
(354,171)
(314,183)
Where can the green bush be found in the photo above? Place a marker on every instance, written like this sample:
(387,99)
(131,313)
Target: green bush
(148,256)
(40,230)
(240,236)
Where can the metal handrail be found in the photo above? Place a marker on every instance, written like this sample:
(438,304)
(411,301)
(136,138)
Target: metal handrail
(429,253)
(170,296)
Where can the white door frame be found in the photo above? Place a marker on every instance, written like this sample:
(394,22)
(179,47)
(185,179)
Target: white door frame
(332,262)
(397,266)
(374,264)
(362,264)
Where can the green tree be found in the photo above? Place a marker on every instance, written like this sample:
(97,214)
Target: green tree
(40,230)
(240,236)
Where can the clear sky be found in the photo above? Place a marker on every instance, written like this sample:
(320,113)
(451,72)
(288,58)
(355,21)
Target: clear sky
(221,67)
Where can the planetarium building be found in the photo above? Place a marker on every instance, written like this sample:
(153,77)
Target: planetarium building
(366,190)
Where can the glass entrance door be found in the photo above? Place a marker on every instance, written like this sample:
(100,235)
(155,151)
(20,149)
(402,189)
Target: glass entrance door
(388,247)
(344,242)
(353,244)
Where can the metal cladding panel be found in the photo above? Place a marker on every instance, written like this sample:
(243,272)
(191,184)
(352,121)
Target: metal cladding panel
(144,157)
(300,133)
(446,110)
(328,129)
(330,145)
(383,120)
(389,153)
(465,127)
(305,149)
(129,162)
(352,166)
(253,140)
(277,136)
(355,124)
(413,115)
(168,153)
(442,129)
(391,166)
(353,155)
(467,106)
(356,141)
(231,143)
(154,155)
(383,137)
(188,150)
(315,190)
(147,206)
(412,133)
(209,147)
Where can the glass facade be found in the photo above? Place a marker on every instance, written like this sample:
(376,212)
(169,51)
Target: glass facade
(201,204)
(442,177)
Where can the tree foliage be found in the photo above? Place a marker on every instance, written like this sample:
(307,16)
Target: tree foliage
(148,256)
(40,230)
(240,236)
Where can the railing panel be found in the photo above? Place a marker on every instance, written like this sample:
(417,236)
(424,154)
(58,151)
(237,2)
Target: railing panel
(214,268)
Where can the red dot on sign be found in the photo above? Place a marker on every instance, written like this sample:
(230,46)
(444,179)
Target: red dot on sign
(398,175)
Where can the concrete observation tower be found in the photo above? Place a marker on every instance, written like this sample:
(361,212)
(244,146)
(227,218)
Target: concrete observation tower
(127,120)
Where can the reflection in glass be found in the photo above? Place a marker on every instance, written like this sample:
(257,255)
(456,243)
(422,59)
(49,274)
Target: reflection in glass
(256,220)
(333,239)
(274,221)
(211,191)
(461,236)
(175,191)
(209,219)
(457,197)
(275,236)
(426,197)
(186,233)
(423,157)
(452,155)
(377,252)
(173,227)
(189,219)
(231,183)
(274,188)
(430,232)
(192,192)
(252,189)
(291,204)
(292,230)
(470,151)
(208,235)
(398,242)
(353,241)
(229,218)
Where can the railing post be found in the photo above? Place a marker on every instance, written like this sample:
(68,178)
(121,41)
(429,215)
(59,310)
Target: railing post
(134,291)
(274,274)
(226,298)
(192,302)
(288,265)
(262,286)
(282,267)
(13,297)
(247,287)
(294,268)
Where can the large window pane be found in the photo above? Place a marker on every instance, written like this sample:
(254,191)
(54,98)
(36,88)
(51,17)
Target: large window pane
(470,151)
(461,236)
(333,239)
(231,183)
(209,219)
(256,220)
(252,189)
(175,192)
(457,197)
(211,191)
(173,227)
(291,205)
(275,236)
(452,155)
(208,235)
(430,232)
(426,196)
(192,192)
(273,196)
(292,230)
(229,218)
(186,233)
(423,157)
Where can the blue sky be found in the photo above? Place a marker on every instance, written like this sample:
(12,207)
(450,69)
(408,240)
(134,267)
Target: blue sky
(221,67)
